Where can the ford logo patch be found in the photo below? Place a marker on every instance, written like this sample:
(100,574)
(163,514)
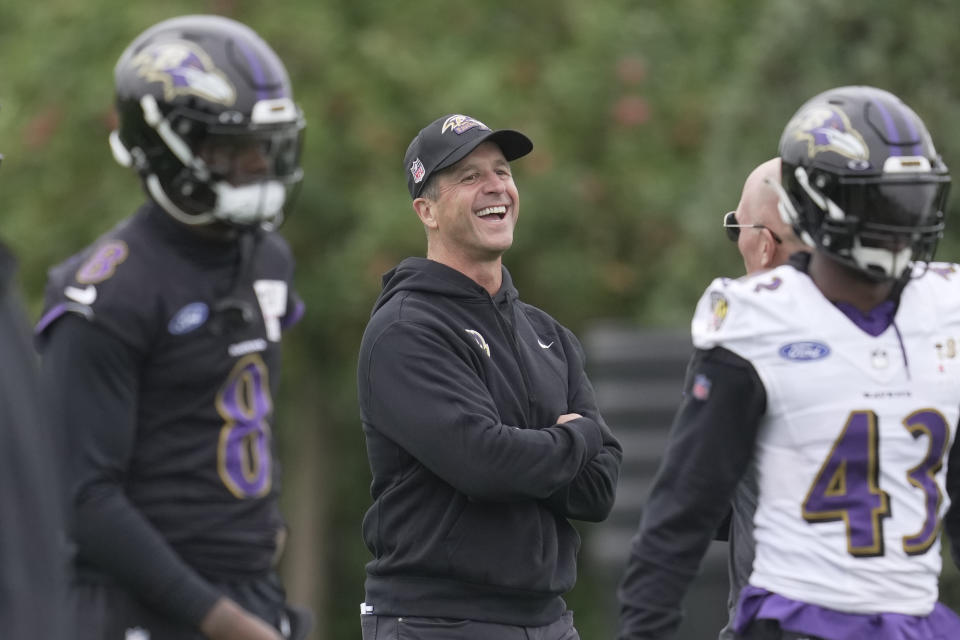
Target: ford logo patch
(188,318)
(804,351)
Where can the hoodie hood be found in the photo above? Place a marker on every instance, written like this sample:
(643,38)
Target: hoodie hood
(429,276)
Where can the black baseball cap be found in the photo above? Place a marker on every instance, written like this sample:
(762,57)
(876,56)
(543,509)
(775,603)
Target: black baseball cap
(448,140)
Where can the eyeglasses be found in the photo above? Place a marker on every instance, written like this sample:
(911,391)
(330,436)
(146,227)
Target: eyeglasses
(733,227)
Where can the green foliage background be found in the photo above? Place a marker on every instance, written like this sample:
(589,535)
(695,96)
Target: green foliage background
(646,118)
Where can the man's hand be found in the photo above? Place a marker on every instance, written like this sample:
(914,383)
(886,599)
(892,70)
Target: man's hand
(229,621)
(567,417)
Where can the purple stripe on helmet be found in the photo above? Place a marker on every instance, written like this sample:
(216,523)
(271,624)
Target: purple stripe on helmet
(255,68)
(892,133)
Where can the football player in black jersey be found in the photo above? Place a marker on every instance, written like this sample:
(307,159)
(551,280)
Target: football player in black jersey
(161,347)
(33,556)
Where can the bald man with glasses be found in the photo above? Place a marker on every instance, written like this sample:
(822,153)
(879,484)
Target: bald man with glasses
(764,240)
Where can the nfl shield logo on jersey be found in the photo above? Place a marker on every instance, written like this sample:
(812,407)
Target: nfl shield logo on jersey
(701,387)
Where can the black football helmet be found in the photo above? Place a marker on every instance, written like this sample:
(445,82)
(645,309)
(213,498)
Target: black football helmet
(861,180)
(207,119)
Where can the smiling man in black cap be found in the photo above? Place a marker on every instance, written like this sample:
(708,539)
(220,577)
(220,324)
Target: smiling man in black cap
(482,429)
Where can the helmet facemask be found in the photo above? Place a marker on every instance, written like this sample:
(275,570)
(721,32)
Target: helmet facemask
(219,170)
(903,217)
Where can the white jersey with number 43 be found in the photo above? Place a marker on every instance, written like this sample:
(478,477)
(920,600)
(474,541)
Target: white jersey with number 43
(853,448)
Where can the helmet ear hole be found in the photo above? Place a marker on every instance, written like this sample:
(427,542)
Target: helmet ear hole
(864,180)
(196,79)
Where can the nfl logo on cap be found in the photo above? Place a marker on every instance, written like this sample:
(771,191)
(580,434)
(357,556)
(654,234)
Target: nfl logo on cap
(416,168)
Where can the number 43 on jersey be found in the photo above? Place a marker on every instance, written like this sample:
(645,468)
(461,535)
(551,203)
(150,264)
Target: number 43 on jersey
(846,487)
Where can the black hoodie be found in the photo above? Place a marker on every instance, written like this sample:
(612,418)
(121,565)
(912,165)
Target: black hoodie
(473,480)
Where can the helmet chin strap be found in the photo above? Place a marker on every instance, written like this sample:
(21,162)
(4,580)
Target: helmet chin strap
(891,263)
(260,203)
(249,204)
